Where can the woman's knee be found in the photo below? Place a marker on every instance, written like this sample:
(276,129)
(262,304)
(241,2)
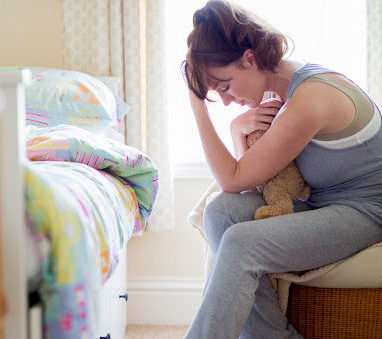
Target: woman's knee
(236,251)
(218,217)
(218,205)
(246,244)
(227,209)
(234,239)
(233,207)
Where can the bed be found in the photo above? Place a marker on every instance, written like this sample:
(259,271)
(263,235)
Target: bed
(71,197)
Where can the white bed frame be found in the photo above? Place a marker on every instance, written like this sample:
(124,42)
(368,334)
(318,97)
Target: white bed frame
(12,155)
(12,148)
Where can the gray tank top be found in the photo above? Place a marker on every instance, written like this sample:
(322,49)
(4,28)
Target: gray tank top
(349,176)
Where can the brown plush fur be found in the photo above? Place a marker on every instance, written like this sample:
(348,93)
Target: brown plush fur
(282,190)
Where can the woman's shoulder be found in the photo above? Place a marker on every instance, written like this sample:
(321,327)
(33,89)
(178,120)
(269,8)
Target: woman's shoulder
(304,72)
(325,103)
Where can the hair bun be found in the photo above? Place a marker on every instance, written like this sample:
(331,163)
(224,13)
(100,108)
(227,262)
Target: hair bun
(202,15)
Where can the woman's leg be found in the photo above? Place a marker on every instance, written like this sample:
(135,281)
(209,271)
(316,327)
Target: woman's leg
(225,210)
(266,319)
(248,250)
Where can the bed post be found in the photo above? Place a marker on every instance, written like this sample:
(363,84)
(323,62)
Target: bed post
(12,155)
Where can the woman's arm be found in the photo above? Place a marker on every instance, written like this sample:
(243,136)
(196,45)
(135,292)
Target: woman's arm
(299,120)
(219,159)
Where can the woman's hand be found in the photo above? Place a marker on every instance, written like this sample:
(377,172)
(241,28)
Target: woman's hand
(257,118)
(260,117)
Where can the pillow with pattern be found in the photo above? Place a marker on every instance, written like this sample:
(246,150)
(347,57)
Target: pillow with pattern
(56,97)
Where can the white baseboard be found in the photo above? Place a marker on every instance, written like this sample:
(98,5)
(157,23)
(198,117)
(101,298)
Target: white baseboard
(163,301)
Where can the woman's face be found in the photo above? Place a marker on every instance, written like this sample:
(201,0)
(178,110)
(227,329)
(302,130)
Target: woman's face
(244,84)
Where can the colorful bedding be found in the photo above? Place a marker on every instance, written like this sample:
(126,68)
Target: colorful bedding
(85,195)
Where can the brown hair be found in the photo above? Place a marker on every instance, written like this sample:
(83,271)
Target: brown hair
(221,34)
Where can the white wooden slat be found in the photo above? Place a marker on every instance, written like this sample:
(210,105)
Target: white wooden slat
(12,153)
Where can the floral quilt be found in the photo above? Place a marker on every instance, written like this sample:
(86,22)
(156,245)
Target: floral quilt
(86,195)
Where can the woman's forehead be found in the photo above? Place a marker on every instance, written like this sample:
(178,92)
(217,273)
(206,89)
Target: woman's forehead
(216,75)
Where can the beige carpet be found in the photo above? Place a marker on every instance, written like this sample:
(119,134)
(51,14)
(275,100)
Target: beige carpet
(155,331)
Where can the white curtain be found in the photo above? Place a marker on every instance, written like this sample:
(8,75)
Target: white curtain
(125,38)
(374,50)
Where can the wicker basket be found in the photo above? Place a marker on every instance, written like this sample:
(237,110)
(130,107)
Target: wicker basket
(336,313)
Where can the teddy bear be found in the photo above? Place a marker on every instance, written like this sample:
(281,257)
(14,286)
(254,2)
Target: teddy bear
(282,190)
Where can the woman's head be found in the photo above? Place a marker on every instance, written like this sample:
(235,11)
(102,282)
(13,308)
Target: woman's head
(222,33)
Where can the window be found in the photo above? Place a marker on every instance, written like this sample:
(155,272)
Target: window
(329,32)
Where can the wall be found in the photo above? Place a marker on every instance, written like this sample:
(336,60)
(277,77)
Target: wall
(164,269)
(30,33)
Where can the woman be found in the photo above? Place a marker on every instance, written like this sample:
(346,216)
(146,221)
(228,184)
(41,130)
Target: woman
(324,121)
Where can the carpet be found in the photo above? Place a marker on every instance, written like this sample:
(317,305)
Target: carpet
(155,331)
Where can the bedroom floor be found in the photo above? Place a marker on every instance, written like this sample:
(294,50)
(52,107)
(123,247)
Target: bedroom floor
(155,331)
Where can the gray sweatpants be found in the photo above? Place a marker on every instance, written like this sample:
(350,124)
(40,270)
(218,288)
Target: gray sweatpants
(238,299)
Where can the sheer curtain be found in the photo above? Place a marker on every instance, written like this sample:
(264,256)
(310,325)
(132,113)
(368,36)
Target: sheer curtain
(374,50)
(125,38)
